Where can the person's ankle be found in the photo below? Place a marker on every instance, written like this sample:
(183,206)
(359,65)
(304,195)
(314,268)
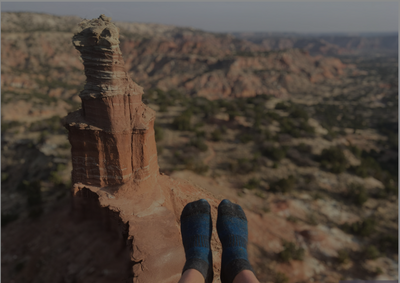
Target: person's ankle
(192,275)
(245,276)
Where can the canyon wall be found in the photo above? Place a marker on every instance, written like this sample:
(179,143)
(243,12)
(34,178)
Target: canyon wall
(197,63)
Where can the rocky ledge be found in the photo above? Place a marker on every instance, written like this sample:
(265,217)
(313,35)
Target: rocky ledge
(114,158)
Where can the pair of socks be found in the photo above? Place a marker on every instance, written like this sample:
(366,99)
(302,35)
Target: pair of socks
(196,228)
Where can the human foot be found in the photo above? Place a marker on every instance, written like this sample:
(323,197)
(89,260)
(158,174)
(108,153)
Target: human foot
(232,232)
(196,228)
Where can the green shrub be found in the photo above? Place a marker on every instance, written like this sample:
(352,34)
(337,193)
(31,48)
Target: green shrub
(304,126)
(199,143)
(391,188)
(158,133)
(273,115)
(333,159)
(65,145)
(298,113)
(223,129)
(282,106)
(257,123)
(210,108)
(199,124)
(281,278)
(245,137)
(317,196)
(362,228)
(268,135)
(388,243)
(290,251)
(292,219)
(200,134)
(343,257)
(289,127)
(304,148)
(368,167)
(252,184)
(163,108)
(9,125)
(357,194)
(163,99)
(200,168)
(160,149)
(371,252)
(378,271)
(216,135)
(192,163)
(52,125)
(232,110)
(283,185)
(274,153)
(355,150)
(312,220)
(183,121)
(55,178)
(4,176)
(244,165)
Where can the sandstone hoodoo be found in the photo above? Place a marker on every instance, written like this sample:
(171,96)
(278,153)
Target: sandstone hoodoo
(112,136)
(114,159)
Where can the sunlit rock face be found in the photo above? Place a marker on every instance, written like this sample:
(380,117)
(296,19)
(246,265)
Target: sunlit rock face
(112,136)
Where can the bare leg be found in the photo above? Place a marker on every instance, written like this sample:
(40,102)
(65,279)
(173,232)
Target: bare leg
(192,276)
(245,276)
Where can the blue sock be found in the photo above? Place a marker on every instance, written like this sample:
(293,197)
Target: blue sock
(232,232)
(196,228)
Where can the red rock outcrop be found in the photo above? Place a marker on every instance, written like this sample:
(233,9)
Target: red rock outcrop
(115,160)
(112,136)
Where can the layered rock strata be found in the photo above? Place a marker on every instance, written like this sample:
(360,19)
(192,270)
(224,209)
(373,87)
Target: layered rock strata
(114,159)
(112,136)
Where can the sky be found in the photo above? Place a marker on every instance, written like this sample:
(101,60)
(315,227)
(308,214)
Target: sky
(297,16)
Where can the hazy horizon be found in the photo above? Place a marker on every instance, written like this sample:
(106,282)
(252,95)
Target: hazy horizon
(235,17)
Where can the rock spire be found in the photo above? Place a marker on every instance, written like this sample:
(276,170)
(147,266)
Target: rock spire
(112,136)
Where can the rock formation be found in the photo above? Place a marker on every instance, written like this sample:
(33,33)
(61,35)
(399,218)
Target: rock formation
(115,160)
(112,136)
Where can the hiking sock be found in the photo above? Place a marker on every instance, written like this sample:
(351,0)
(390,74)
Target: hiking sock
(196,228)
(232,232)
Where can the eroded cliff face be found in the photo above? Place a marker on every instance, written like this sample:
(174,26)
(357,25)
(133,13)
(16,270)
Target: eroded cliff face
(114,160)
(112,136)
(166,57)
